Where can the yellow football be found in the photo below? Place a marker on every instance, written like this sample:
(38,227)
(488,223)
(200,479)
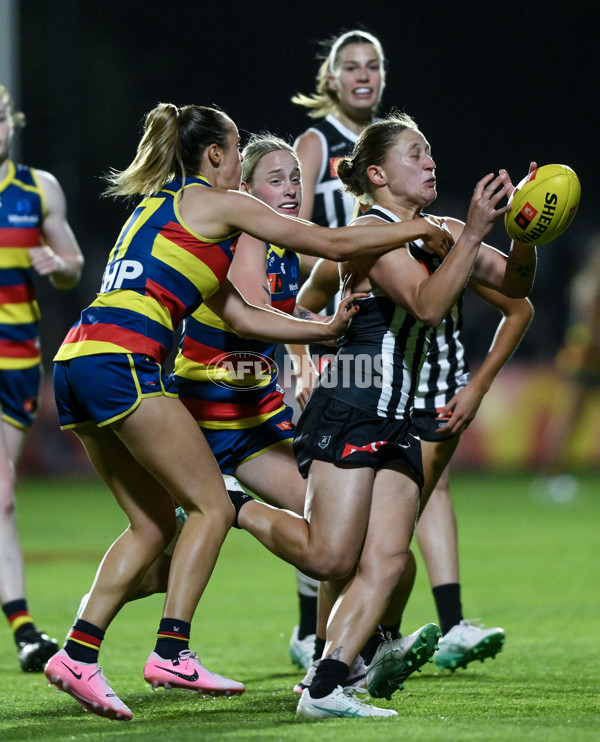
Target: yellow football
(543,205)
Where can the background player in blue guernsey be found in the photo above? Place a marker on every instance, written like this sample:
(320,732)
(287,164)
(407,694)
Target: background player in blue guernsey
(172,255)
(35,239)
(355,440)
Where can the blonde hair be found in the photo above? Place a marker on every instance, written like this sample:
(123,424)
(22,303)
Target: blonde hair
(325,101)
(371,148)
(257,147)
(18,117)
(172,145)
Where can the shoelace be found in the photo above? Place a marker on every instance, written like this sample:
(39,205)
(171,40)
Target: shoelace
(352,691)
(188,654)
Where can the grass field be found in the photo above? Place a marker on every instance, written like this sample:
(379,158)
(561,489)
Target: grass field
(528,565)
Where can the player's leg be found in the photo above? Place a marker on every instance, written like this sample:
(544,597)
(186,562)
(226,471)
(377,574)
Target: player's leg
(326,546)
(34,647)
(462,641)
(274,476)
(365,598)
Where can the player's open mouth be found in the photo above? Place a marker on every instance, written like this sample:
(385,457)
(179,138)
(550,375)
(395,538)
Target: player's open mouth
(363,91)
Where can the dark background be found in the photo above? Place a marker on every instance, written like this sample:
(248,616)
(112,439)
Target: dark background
(491,85)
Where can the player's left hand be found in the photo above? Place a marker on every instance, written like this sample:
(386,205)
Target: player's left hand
(461,410)
(45,261)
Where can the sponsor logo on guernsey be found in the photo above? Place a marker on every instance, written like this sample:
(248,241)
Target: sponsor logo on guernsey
(23,219)
(120,272)
(333,163)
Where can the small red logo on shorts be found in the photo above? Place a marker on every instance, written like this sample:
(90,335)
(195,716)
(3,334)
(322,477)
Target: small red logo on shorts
(285,425)
(349,448)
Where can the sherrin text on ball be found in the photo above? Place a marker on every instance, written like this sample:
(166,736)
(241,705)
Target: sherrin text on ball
(544,203)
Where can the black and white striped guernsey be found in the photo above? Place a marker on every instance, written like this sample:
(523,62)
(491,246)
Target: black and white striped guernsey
(380,358)
(333,207)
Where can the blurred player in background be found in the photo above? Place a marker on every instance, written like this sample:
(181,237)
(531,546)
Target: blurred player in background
(35,240)
(578,367)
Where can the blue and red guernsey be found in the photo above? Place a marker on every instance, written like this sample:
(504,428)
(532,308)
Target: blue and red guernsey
(157,274)
(21,215)
(224,380)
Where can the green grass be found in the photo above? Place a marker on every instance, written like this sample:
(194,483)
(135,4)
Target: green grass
(528,565)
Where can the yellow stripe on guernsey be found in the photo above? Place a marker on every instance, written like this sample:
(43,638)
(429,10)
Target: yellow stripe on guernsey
(134,302)
(19,314)
(15,257)
(187,263)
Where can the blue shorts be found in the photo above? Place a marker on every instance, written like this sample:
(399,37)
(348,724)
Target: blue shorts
(20,395)
(233,447)
(104,388)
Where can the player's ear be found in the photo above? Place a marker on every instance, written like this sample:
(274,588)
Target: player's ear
(376,175)
(244,186)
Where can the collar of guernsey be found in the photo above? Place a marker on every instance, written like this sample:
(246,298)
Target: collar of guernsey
(158,273)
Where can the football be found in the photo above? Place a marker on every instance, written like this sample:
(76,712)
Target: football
(543,205)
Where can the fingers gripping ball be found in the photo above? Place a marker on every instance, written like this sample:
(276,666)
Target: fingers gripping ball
(543,205)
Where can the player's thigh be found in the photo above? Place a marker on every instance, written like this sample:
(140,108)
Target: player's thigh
(164,438)
(436,457)
(338,504)
(145,501)
(392,519)
(274,477)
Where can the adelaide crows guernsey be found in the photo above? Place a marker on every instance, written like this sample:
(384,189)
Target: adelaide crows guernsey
(228,382)
(158,273)
(379,361)
(21,215)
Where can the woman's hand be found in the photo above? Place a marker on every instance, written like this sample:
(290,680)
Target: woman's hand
(437,237)
(344,315)
(483,213)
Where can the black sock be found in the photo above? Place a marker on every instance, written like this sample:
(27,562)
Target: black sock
(173,636)
(319,648)
(447,602)
(83,642)
(329,674)
(20,621)
(368,651)
(308,615)
(237,500)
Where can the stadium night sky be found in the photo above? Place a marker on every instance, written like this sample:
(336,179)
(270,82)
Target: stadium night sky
(491,85)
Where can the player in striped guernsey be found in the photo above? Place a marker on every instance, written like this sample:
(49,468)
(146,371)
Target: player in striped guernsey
(446,402)
(355,439)
(172,255)
(349,86)
(35,239)
(350,83)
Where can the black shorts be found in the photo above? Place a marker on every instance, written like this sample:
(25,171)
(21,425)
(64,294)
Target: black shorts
(332,431)
(428,423)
